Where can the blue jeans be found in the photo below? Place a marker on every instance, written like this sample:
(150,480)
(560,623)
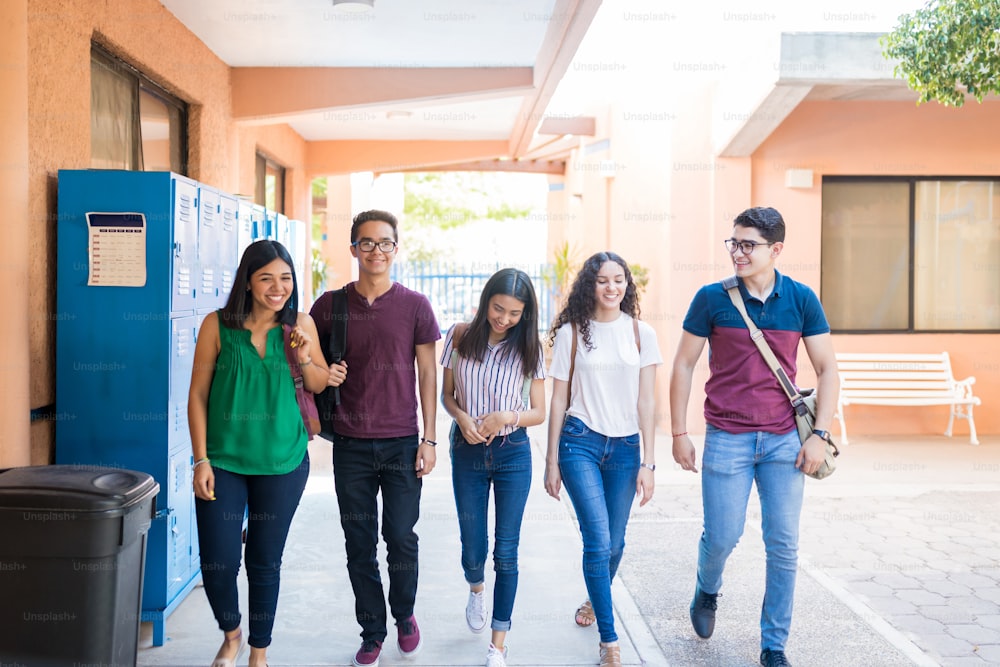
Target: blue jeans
(269,502)
(362,467)
(599,474)
(506,464)
(731,463)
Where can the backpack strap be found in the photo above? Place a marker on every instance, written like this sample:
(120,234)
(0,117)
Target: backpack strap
(456,338)
(572,355)
(337,345)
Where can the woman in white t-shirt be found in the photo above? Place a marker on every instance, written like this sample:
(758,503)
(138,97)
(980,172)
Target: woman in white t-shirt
(602,402)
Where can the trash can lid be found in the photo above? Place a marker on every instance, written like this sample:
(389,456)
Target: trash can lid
(71,487)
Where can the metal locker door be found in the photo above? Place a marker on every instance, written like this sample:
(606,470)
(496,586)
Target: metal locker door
(209,252)
(229,253)
(245,231)
(184,288)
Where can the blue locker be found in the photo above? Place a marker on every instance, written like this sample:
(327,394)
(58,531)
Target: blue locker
(270,224)
(283,235)
(245,232)
(124,353)
(261,229)
(298,246)
(210,250)
(230,253)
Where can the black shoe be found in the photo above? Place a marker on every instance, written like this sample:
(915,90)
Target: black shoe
(769,658)
(703,613)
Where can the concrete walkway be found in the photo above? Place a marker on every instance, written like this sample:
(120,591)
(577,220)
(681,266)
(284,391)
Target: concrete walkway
(900,566)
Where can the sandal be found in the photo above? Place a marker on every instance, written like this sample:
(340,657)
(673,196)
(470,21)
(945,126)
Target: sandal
(585,615)
(222,662)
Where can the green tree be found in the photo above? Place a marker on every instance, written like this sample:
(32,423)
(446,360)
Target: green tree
(435,202)
(947,48)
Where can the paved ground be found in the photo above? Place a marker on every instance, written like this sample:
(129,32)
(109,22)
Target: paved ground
(899,566)
(904,539)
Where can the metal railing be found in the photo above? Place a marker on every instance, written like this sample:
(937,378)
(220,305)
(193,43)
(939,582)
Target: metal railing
(454,288)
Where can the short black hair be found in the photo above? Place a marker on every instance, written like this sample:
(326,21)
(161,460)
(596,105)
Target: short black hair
(374,214)
(765,220)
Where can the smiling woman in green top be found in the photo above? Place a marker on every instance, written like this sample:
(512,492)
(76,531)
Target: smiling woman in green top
(249,442)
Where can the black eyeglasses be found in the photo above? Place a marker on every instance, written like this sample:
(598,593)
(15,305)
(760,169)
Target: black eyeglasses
(367,245)
(745,247)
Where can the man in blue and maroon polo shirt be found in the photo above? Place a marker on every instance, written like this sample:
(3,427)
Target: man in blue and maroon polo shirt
(750,433)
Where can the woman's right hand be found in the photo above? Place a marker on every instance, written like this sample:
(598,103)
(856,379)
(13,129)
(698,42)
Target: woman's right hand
(468,426)
(553,479)
(204,482)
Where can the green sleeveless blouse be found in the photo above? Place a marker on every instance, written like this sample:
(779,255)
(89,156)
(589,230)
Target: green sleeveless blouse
(254,423)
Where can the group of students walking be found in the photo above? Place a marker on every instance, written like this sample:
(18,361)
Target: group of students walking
(249,441)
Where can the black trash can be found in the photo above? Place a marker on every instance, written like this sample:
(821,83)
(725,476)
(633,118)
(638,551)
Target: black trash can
(72,552)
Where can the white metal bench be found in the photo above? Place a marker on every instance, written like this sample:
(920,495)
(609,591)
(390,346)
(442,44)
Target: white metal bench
(904,379)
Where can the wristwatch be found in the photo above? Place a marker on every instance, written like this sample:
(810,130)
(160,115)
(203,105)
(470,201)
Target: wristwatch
(825,435)
(650,466)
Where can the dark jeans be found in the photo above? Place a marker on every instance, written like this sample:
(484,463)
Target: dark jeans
(362,467)
(270,502)
(506,464)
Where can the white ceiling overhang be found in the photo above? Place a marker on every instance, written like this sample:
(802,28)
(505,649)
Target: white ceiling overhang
(476,71)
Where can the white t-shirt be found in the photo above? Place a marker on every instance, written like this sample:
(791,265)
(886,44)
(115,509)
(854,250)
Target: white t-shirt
(605,390)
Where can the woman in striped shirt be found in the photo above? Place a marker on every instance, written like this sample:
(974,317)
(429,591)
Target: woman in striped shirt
(493,388)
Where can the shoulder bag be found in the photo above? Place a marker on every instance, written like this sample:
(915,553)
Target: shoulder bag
(803,400)
(304,397)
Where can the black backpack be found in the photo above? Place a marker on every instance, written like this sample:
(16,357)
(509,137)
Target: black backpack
(328,399)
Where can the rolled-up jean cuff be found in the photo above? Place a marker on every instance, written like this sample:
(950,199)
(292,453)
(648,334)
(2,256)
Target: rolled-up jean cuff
(500,626)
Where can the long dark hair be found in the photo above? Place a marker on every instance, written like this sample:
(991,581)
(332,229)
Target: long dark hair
(523,336)
(581,303)
(258,255)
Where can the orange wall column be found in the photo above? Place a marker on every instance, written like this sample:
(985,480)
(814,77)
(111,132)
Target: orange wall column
(15,447)
(336,246)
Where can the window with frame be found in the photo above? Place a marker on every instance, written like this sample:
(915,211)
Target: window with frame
(911,254)
(269,190)
(134,123)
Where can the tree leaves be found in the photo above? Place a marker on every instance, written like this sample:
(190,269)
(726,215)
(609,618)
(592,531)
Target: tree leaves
(947,49)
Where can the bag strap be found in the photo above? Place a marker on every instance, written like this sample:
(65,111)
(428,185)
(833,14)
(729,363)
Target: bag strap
(572,356)
(290,356)
(732,287)
(456,338)
(337,345)
(338,329)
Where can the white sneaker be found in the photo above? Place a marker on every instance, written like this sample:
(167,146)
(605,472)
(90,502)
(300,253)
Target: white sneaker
(475,611)
(496,657)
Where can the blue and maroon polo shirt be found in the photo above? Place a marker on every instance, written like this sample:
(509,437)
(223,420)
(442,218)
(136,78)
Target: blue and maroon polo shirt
(742,394)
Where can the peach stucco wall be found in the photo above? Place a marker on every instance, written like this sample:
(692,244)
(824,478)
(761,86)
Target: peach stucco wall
(882,139)
(671,202)
(15,366)
(221,154)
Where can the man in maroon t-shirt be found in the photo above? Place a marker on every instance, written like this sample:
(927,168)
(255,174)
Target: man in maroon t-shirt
(377,444)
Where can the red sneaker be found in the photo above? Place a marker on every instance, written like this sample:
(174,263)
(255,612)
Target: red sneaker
(368,654)
(408,636)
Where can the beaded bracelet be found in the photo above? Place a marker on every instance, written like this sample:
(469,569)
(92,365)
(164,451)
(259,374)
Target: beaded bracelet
(677,435)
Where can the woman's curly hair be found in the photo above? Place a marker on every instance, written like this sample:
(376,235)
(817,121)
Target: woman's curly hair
(581,302)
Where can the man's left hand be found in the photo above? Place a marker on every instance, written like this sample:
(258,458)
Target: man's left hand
(811,455)
(426,459)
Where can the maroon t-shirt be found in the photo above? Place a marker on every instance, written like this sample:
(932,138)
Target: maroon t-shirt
(379,397)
